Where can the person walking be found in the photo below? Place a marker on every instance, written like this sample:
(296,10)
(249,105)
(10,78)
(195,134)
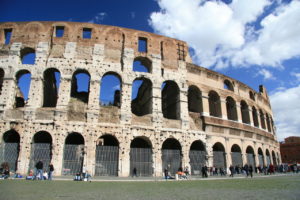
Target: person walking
(39,170)
(231,168)
(246,168)
(251,171)
(50,173)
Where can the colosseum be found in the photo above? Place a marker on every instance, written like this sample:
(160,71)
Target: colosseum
(111,99)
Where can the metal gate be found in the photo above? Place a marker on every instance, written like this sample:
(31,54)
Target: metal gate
(171,159)
(73,159)
(236,158)
(9,152)
(261,160)
(250,159)
(268,160)
(197,161)
(219,159)
(107,158)
(40,152)
(141,159)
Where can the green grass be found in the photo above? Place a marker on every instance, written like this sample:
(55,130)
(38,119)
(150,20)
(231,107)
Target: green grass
(285,187)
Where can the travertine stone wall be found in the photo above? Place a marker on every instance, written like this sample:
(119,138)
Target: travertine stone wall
(113,49)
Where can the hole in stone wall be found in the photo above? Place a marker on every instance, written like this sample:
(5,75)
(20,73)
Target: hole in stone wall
(235,148)
(245,112)
(110,90)
(170,100)
(28,56)
(1,79)
(194,99)
(42,137)
(251,95)
(198,145)
(140,143)
(59,31)
(11,136)
(214,104)
(231,109)
(142,44)
(107,140)
(81,85)
(228,85)
(255,118)
(7,35)
(262,119)
(23,78)
(51,85)
(86,33)
(142,64)
(141,97)
(74,138)
(218,147)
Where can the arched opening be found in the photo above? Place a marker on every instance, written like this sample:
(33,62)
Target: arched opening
(268,123)
(51,85)
(274,158)
(250,156)
(214,104)
(10,148)
(23,78)
(1,79)
(170,100)
(260,157)
(107,156)
(28,56)
(268,157)
(41,150)
(255,118)
(141,97)
(251,95)
(231,109)
(194,99)
(110,92)
(141,157)
(80,86)
(262,119)
(245,112)
(236,155)
(197,156)
(219,156)
(228,85)
(73,154)
(171,155)
(142,64)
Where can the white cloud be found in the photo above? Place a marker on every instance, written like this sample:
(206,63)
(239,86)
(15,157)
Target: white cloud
(98,18)
(224,35)
(266,74)
(286,109)
(297,75)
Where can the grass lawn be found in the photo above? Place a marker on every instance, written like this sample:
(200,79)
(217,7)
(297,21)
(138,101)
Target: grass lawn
(279,187)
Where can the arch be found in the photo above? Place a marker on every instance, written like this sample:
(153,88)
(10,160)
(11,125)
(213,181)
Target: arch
(274,158)
(171,155)
(1,79)
(141,103)
(73,154)
(245,112)
(142,64)
(194,99)
(228,85)
(10,148)
(170,100)
(214,104)
(254,116)
(261,162)
(197,157)
(231,109)
(262,119)
(250,156)
(41,150)
(107,156)
(51,85)
(236,155)
(268,157)
(268,123)
(251,95)
(23,78)
(28,56)
(219,160)
(141,163)
(110,90)
(80,85)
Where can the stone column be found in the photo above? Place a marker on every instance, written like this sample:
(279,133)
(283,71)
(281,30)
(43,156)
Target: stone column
(239,113)
(7,97)
(223,108)
(124,155)
(93,104)
(58,151)
(158,171)
(90,154)
(205,104)
(250,116)
(126,103)
(35,96)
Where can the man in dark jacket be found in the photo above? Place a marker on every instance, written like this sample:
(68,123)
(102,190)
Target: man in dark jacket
(39,170)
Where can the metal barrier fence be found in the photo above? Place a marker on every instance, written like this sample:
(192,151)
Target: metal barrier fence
(236,159)
(141,160)
(73,159)
(250,159)
(197,161)
(219,159)
(40,152)
(171,159)
(268,160)
(9,152)
(107,158)
(261,160)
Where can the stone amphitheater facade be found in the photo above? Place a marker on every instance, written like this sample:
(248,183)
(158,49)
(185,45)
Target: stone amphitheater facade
(183,114)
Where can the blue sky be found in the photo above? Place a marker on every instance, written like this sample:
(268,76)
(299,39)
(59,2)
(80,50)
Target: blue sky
(254,41)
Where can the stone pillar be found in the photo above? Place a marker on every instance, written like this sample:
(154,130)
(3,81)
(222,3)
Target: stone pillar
(124,155)
(7,97)
(126,103)
(205,104)
(158,170)
(93,104)
(223,108)
(250,116)
(58,152)
(35,96)
(210,153)
(239,113)
(90,154)
(64,92)
(24,153)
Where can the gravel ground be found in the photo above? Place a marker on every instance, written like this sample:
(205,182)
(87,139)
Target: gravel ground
(272,187)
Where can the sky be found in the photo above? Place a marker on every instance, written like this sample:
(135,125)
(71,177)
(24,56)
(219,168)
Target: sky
(253,41)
